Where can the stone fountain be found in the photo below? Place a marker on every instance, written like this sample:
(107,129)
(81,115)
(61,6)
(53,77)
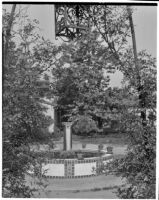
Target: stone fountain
(74,167)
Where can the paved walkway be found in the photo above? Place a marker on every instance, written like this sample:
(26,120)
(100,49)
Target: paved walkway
(103,194)
(82,187)
(80,183)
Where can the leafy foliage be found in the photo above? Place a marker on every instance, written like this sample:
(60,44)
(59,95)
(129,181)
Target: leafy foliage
(67,154)
(139,165)
(24,120)
(112,23)
(80,78)
(84,126)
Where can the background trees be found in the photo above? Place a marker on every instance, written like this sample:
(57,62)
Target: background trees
(97,53)
(81,79)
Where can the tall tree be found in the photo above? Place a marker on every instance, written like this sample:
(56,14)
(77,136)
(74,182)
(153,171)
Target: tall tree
(6,33)
(142,93)
(80,77)
(139,166)
(24,120)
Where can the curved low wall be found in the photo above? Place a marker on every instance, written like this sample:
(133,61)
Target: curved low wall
(74,168)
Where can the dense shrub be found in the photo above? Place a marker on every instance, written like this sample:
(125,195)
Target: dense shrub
(84,126)
(66,154)
(100,146)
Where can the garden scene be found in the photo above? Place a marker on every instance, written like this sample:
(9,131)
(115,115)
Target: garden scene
(78,101)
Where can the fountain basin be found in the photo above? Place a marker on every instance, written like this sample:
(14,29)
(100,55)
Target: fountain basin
(75,167)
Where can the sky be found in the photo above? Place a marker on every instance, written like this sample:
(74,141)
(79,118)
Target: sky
(145,21)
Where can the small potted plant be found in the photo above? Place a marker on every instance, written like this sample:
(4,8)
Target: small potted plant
(51,145)
(100,147)
(83,146)
(109,149)
(80,155)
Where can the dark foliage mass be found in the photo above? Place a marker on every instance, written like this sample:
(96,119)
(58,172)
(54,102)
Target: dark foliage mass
(24,119)
(67,154)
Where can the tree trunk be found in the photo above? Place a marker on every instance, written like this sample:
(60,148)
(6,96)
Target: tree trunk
(6,37)
(133,36)
(140,88)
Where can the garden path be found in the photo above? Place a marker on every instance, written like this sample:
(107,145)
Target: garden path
(69,187)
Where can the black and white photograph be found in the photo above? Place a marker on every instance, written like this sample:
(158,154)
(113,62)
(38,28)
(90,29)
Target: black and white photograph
(79,100)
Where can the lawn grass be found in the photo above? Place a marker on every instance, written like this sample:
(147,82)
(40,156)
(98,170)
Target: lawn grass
(118,139)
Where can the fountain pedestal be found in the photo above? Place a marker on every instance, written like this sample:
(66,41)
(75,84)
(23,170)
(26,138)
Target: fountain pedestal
(67,136)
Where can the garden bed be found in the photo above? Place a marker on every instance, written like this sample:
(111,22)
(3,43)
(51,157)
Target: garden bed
(73,154)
